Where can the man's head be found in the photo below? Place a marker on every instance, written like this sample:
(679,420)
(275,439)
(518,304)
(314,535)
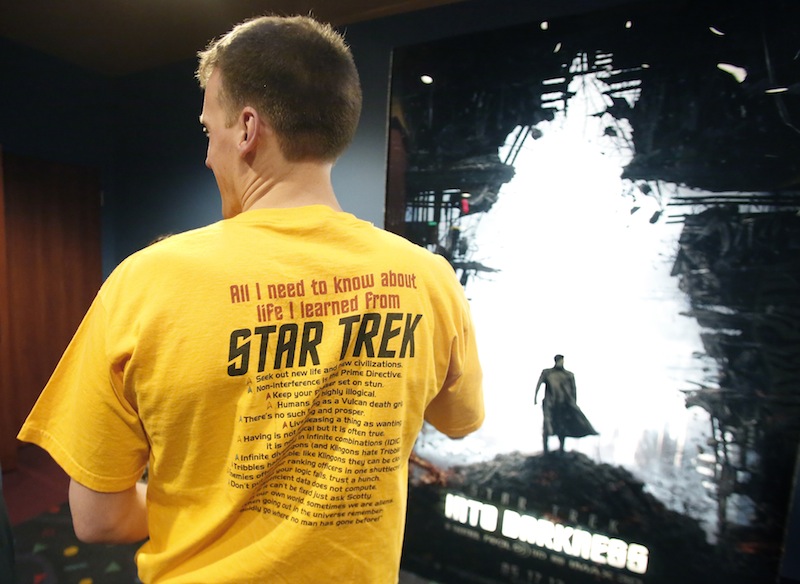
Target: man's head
(298,74)
(559,359)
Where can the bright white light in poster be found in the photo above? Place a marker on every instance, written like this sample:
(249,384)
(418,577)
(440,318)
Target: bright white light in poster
(583,261)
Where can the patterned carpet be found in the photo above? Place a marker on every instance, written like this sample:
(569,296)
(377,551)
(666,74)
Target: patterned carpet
(49,553)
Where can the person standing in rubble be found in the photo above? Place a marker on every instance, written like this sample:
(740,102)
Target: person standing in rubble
(562,416)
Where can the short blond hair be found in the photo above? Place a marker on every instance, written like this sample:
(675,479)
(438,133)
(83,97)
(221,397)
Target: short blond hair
(298,73)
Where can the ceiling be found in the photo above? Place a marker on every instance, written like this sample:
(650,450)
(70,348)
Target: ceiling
(118,37)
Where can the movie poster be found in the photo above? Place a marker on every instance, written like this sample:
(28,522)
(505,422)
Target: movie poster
(618,194)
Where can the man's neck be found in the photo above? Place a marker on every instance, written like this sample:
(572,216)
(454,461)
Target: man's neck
(294,185)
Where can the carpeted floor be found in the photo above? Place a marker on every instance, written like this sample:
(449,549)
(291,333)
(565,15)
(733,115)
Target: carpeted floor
(46,547)
(48,553)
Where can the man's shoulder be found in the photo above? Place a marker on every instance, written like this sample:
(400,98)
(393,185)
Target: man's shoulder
(420,256)
(165,250)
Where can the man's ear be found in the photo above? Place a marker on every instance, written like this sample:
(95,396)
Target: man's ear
(250,124)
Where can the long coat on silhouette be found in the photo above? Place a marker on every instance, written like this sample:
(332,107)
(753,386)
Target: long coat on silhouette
(562,416)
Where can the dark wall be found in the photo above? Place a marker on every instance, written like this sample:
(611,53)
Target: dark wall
(55,111)
(51,109)
(161,182)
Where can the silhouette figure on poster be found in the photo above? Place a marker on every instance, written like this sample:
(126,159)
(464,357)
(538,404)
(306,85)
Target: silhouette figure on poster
(562,416)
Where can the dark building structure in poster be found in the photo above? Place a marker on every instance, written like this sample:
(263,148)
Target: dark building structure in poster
(695,109)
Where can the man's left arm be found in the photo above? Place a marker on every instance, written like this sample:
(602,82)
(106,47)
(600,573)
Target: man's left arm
(119,517)
(573,388)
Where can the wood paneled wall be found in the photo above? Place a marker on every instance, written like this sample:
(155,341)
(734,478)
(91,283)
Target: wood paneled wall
(50,271)
(7,405)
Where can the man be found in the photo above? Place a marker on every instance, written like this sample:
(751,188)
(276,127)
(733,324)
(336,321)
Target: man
(272,370)
(562,416)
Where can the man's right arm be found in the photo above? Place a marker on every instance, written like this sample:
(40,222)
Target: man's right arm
(458,408)
(119,517)
(539,386)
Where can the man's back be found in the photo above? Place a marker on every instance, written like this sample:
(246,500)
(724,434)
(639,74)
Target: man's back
(560,384)
(281,380)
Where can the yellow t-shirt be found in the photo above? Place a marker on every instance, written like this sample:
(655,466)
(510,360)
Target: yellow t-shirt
(274,370)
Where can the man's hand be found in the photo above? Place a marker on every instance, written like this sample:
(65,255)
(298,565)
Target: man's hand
(109,517)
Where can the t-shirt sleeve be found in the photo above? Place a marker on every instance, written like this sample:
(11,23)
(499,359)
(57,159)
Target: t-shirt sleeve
(82,417)
(458,408)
